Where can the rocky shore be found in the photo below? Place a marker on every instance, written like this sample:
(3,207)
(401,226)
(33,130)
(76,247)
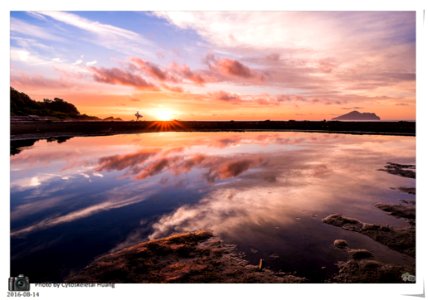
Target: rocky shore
(361,265)
(191,257)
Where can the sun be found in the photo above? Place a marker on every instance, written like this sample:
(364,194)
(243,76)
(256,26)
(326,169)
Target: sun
(164,114)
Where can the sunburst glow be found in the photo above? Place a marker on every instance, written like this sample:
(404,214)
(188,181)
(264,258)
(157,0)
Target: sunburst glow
(164,114)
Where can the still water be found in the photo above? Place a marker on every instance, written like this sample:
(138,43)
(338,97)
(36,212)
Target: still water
(266,192)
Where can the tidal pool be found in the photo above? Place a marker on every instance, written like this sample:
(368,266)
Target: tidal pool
(266,192)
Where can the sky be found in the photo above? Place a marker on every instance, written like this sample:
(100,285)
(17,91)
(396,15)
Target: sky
(218,65)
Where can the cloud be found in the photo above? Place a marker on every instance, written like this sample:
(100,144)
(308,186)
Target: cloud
(175,89)
(326,65)
(120,162)
(227,209)
(231,168)
(289,54)
(85,212)
(155,167)
(101,34)
(150,69)
(294,30)
(121,77)
(227,97)
(25,56)
(38,81)
(101,29)
(230,67)
(254,30)
(227,69)
(24,28)
(185,72)
(353,108)
(31,44)
(143,164)
(260,99)
(174,74)
(91,63)
(252,58)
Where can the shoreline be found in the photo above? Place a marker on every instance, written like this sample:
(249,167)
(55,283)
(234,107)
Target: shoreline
(48,129)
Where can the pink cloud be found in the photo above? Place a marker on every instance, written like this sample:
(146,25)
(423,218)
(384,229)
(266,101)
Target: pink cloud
(229,67)
(185,72)
(143,164)
(231,168)
(121,162)
(118,76)
(233,67)
(175,89)
(174,73)
(155,167)
(223,96)
(38,81)
(326,65)
(150,69)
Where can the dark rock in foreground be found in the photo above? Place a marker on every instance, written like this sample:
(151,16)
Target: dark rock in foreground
(401,239)
(368,271)
(358,254)
(408,190)
(398,210)
(187,258)
(361,267)
(341,244)
(399,169)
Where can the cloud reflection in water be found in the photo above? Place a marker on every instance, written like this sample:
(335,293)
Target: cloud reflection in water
(243,180)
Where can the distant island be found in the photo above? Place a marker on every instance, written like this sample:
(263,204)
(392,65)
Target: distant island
(357,116)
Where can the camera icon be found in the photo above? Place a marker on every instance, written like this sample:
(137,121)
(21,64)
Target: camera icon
(20,283)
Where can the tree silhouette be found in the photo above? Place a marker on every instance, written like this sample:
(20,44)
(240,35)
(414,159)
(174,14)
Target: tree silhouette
(22,105)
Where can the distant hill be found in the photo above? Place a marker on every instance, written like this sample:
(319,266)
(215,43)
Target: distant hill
(357,116)
(22,105)
(112,119)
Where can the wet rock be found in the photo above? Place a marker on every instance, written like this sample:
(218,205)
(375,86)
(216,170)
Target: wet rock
(187,257)
(368,271)
(400,169)
(344,222)
(359,254)
(408,190)
(401,239)
(399,210)
(341,244)
(361,267)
